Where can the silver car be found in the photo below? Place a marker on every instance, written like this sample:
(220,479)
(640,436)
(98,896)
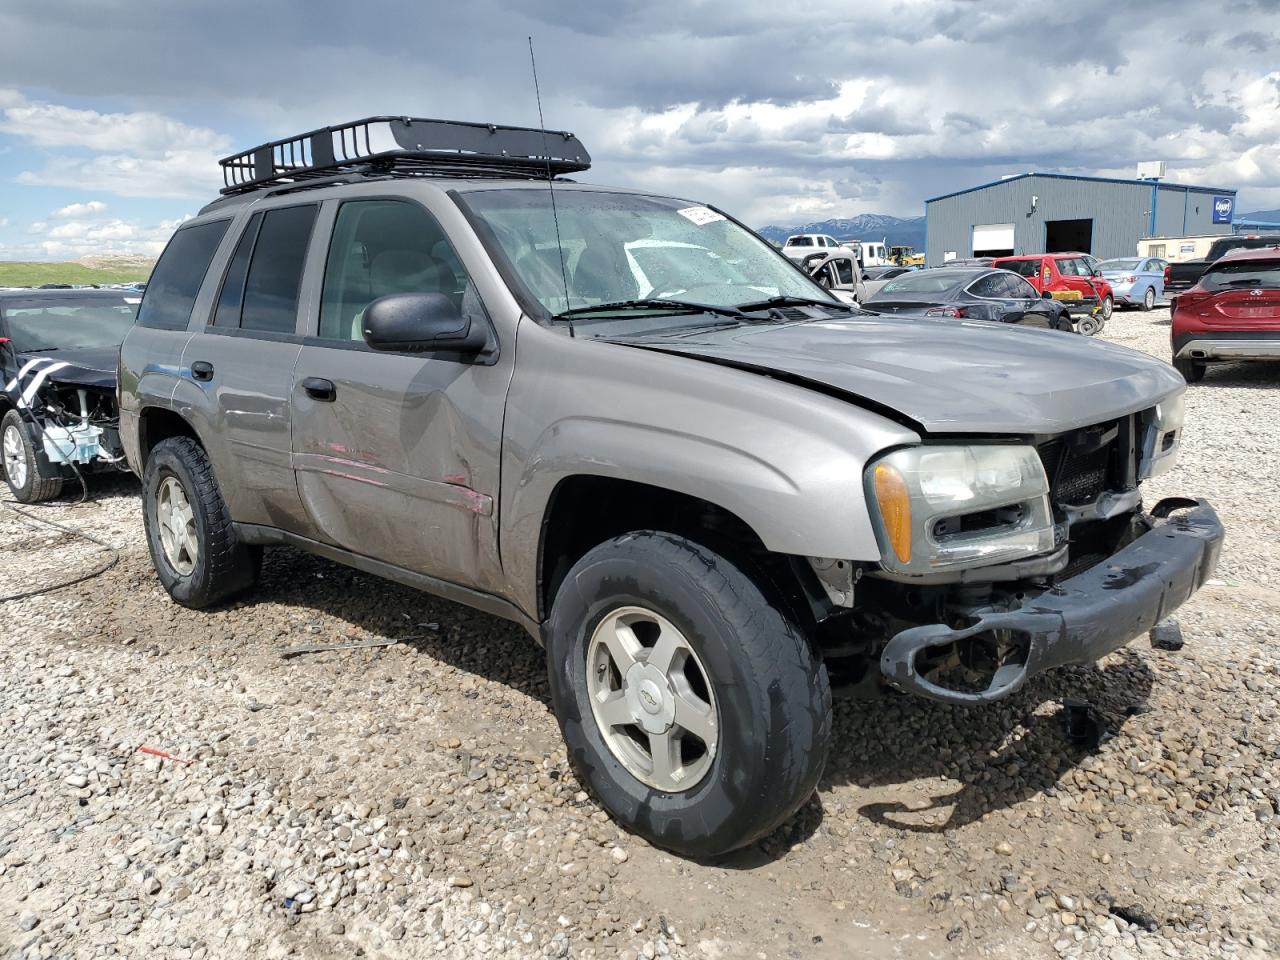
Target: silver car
(713,492)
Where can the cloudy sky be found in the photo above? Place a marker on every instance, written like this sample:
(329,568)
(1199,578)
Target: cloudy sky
(114,112)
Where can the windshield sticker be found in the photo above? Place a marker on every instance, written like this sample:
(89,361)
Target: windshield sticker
(700,215)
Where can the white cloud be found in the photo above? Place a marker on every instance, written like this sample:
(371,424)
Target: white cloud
(140,154)
(80,209)
(72,239)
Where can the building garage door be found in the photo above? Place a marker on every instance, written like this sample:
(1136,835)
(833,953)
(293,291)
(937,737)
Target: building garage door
(993,240)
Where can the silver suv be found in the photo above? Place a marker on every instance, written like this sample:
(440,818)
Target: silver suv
(624,421)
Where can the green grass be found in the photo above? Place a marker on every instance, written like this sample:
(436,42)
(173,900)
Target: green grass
(16,274)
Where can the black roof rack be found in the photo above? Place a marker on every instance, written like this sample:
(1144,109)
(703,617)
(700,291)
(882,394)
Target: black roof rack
(409,146)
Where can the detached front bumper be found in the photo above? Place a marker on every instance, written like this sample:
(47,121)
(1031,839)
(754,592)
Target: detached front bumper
(1083,618)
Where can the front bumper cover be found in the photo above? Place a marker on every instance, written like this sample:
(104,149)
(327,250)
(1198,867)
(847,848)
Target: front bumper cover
(1083,618)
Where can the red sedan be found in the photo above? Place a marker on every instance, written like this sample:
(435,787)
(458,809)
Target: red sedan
(1232,313)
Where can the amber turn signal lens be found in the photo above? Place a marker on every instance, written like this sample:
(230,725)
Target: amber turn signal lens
(895,510)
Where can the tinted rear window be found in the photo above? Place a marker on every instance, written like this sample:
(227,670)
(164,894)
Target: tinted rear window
(275,273)
(1243,275)
(1024,268)
(175,282)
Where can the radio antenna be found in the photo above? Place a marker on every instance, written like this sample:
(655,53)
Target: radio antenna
(546,151)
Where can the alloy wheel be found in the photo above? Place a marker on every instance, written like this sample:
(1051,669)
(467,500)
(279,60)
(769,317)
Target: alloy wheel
(177,522)
(15,457)
(652,699)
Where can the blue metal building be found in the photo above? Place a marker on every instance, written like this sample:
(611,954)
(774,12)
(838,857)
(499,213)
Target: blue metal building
(1058,213)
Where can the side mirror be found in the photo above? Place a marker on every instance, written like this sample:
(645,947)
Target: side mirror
(420,323)
(1046,295)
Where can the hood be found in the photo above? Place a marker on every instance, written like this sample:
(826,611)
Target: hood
(947,376)
(82,367)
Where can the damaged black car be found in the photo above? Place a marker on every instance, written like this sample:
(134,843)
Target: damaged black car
(58,414)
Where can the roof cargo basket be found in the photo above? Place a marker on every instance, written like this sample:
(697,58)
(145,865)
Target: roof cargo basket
(409,146)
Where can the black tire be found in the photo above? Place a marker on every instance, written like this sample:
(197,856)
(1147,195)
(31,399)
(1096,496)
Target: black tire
(223,565)
(34,488)
(1148,300)
(772,693)
(1192,370)
(1108,307)
(1063,322)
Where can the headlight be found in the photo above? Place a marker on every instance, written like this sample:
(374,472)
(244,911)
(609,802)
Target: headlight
(939,508)
(1162,436)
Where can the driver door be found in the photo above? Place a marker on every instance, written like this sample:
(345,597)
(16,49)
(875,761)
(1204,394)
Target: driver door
(396,454)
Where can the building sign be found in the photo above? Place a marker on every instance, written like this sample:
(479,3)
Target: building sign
(1222,209)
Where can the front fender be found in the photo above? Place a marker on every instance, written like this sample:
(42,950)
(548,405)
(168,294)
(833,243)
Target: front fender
(786,460)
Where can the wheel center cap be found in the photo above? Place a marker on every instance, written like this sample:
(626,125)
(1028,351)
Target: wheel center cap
(650,697)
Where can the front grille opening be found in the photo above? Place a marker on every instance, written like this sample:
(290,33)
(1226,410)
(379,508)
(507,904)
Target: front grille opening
(995,520)
(1084,464)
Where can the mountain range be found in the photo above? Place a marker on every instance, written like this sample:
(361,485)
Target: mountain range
(1267,216)
(907,231)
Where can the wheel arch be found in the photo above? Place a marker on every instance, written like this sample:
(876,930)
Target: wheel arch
(156,424)
(585,510)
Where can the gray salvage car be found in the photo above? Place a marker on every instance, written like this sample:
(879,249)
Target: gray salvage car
(712,491)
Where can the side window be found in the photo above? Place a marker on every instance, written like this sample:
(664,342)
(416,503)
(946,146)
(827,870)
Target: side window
(381,247)
(988,286)
(1019,289)
(275,270)
(844,272)
(176,279)
(231,297)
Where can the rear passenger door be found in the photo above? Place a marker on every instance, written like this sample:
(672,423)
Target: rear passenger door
(242,363)
(397,455)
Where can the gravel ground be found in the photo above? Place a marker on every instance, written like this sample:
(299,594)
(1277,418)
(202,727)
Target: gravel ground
(414,800)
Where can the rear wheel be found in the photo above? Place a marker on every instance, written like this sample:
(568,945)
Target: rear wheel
(1192,370)
(20,469)
(1148,299)
(193,545)
(694,710)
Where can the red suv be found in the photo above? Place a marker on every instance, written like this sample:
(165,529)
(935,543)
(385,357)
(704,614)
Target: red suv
(1070,278)
(1232,313)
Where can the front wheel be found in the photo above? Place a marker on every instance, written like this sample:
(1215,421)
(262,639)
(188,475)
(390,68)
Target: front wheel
(1192,370)
(20,468)
(1108,307)
(193,545)
(695,711)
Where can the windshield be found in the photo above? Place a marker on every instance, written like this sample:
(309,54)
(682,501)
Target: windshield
(619,247)
(1243,275)
(1115,266)
(67,324)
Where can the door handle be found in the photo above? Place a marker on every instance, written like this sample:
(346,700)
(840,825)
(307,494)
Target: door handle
(320,389)
(202,370)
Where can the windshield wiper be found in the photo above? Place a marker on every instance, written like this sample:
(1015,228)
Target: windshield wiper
(620,306)
(788,301)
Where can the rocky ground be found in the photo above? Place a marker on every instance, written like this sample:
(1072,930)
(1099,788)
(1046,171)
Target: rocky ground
(414,799)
